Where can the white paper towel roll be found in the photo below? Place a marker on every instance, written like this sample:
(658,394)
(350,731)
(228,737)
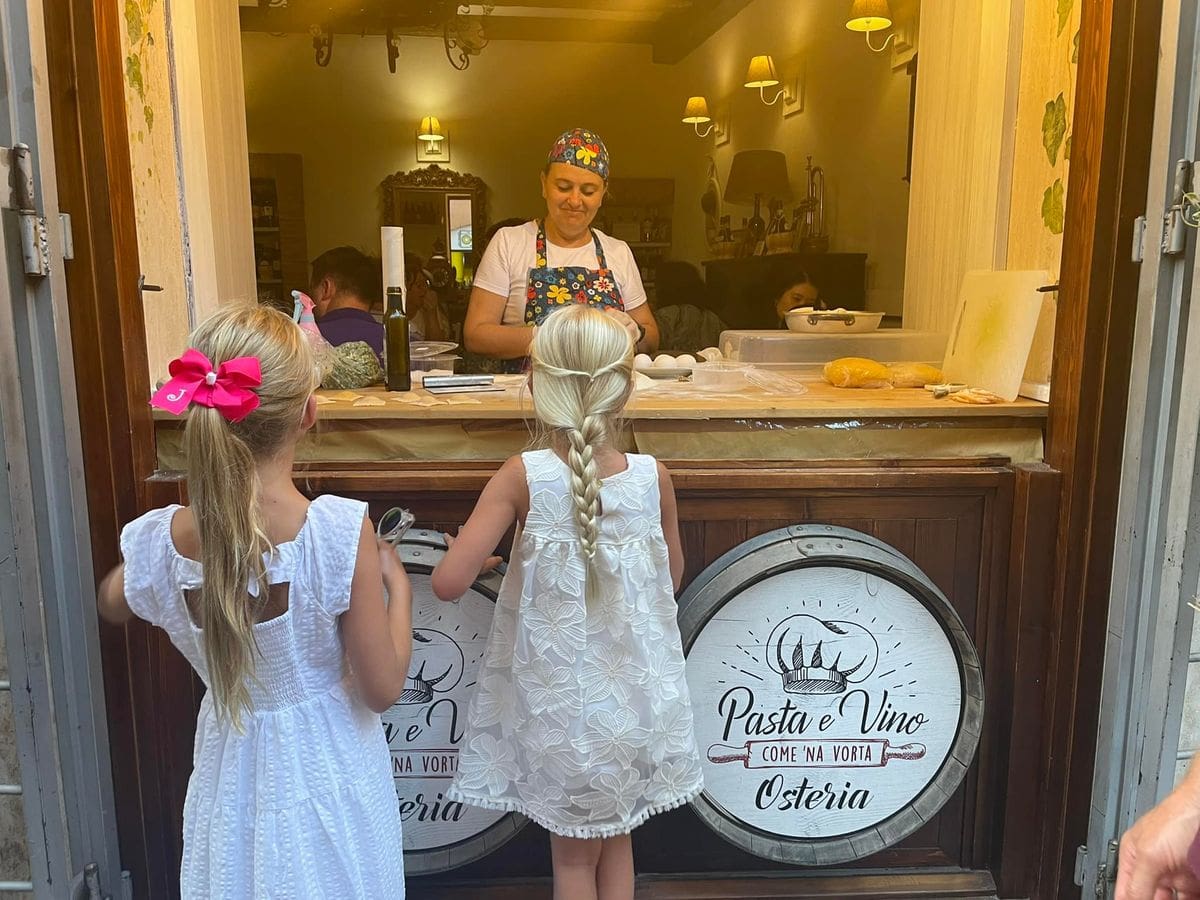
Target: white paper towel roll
(392,240)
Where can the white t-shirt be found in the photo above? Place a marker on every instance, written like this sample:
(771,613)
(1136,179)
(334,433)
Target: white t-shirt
(506,262)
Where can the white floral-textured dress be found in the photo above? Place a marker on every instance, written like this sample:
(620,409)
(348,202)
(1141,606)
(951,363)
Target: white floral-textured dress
(301,805)
(581,719)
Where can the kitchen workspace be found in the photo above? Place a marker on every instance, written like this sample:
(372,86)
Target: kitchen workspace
(841,271)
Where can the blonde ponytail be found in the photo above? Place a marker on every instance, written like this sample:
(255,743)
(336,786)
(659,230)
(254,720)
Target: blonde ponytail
(224,489)
(582,364)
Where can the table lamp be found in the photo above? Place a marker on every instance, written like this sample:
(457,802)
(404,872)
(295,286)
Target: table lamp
(753,174)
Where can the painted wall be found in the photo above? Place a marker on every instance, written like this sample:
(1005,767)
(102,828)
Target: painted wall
(156,184)
(854,125)
(183,95)
(354,122)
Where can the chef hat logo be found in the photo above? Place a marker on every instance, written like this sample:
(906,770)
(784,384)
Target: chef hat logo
(814,656)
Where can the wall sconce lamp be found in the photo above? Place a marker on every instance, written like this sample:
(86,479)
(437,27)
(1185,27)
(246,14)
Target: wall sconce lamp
(871,15)
(696,114)
(432,145)
(761,74)
(431,131)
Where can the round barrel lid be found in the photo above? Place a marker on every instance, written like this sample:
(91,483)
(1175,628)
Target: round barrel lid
(425,726)
(838,699)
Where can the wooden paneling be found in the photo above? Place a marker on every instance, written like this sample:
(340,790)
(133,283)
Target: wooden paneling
(740,290)
(1110,159)
(287,171)
(954,522)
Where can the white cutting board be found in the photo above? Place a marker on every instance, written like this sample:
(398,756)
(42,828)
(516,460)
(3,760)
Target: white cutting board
(993,331)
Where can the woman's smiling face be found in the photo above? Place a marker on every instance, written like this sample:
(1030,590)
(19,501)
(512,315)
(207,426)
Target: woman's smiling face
(573,197)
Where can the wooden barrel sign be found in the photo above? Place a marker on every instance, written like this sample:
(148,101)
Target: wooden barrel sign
(838,699)
(425,726)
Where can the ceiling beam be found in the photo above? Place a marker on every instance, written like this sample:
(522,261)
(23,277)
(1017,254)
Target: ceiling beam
(681,32)
(497,28)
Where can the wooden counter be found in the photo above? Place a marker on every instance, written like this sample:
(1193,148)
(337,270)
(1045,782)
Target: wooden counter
(671,421)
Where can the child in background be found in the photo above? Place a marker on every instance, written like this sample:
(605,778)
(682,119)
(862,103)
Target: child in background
(272,599)
(581,719)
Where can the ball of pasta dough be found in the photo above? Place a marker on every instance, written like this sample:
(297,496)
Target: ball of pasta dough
(642,361)
(664,361)
(685,359)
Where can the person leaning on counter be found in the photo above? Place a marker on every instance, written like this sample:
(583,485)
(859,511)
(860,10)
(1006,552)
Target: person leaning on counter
(529,271)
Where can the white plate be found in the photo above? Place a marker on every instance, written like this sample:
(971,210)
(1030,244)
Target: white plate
(422,349)
(666,372)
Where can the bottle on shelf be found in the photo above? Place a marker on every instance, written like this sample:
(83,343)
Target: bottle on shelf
(395,328)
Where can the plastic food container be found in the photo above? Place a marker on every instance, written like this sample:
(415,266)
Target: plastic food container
(446,362)
(767,347)
(720,374)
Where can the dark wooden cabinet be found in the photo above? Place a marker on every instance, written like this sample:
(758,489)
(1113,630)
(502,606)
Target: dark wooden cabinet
(743,289)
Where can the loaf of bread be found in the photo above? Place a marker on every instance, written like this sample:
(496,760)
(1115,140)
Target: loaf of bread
(855,372)
(914,375)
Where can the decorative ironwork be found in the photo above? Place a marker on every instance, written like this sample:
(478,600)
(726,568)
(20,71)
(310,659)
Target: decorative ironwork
(393,49)
(322,41)
(463,37)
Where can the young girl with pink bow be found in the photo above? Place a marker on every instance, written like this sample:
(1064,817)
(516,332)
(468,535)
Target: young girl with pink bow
(273,599)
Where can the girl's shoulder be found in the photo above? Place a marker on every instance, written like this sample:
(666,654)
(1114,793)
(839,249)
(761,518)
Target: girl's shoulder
(150,533)
(333,517)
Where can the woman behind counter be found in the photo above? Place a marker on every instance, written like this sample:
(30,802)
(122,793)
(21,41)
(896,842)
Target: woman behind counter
(529,271)
(791,290)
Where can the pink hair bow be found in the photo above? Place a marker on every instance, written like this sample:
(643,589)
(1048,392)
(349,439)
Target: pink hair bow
(229,388)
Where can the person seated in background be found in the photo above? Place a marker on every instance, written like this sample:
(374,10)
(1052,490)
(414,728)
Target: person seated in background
(791,290)
(686,321)
(427,320)
(346,285)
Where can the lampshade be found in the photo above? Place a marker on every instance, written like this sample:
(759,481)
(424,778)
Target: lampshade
(757,172)
(696,111)
(431,129)
(869,15)
(761,73)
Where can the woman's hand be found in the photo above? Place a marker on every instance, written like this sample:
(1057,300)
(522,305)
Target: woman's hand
(1154,852)
(626,321)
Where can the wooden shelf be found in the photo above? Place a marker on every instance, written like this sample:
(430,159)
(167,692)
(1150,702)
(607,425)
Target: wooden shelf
(266,229)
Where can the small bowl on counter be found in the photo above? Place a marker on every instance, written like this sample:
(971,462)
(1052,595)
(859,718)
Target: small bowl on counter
(807,320)
(446,362)
(720,374)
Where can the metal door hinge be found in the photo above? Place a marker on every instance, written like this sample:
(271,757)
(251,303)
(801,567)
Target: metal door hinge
(1182,212)
(1106,874)
(35,240)
(68,236)
(1138,254)
(1081,855)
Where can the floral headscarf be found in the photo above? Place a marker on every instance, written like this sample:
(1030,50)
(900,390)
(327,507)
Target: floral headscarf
(582,148)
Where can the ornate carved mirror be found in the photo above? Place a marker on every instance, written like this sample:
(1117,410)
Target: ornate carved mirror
(442,211)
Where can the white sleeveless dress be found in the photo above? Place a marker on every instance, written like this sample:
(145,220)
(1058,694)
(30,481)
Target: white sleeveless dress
(301,805)
(581,718)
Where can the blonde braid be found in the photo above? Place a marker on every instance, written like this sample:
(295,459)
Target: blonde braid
(585,483)
(582,369)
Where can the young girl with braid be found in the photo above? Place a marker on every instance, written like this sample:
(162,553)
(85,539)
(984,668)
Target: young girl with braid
(580,719)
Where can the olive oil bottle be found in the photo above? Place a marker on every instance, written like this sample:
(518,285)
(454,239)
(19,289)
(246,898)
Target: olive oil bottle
(395,326)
